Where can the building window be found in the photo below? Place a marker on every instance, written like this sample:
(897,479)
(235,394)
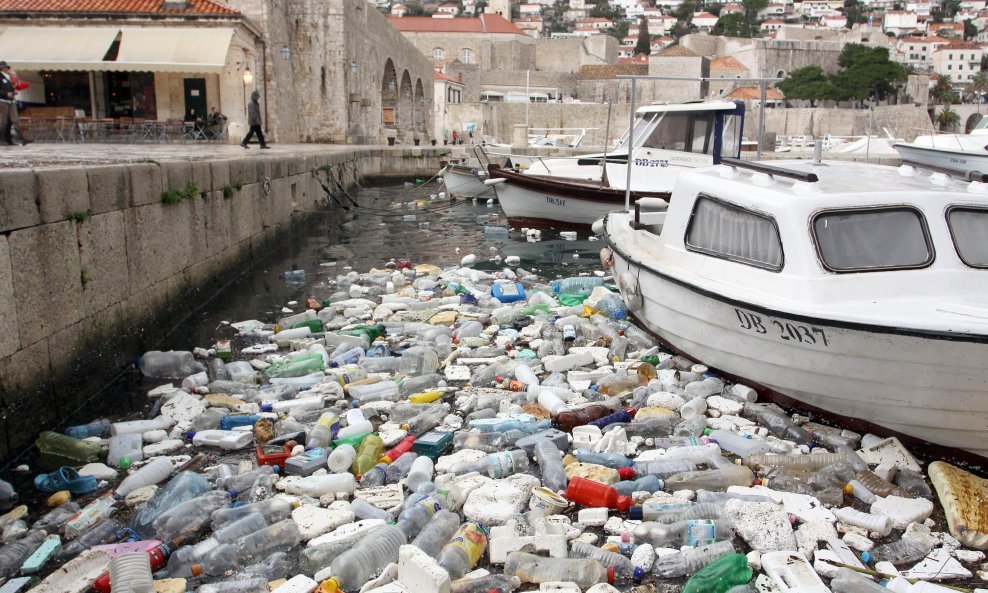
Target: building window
(438,54)
(466,56)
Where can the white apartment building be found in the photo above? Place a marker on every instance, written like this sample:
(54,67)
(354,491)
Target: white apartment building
(918,51)
(899,22)
(960,60)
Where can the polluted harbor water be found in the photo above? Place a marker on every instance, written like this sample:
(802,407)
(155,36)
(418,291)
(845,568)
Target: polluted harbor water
(470,426)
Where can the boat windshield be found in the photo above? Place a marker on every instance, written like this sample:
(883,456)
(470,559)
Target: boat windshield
(969,229)
(683,131)
(872,239)
(643,124)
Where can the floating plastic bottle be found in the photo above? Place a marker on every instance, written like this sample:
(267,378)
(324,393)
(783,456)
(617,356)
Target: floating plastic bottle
(506,463)
(578,285)
(690,561)
(619,564)
(131,573)
(372,553)
(323,431)
(720,576)
(184,486)
(663,468)
(877,523)
(422,470)
(712,479)
(594,494)
(90,516)
(691,532)
(341,458)
(67,448)
(320,485)
(417,514)
(191,515)
(13,554)
(97,428)
(437,532)
(169,365)
(491,583)
(100,534)
(464,550)
(153,472)
(549,458)
(529,568)
(778,424)
(368,454)
(848,581)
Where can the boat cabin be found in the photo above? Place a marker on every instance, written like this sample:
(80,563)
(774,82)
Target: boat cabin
(850,241)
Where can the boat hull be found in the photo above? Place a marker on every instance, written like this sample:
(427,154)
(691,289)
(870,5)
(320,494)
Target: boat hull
(926,387)
(534,200)
(962,161)
(464,182)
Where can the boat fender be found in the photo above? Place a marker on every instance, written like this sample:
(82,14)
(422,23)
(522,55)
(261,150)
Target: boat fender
(607,258)
(598,226)
(494,181)
(631,290)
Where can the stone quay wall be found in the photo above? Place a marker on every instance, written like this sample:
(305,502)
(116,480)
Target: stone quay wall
(97,261)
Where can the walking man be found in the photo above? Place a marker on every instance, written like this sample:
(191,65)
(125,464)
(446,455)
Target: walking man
(254,121)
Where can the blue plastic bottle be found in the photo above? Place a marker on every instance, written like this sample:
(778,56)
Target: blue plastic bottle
(231,422)
(612,460)
(644,484)
(98,428)
(622,416)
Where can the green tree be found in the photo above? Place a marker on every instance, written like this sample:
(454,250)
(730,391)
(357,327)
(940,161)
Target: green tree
(970,30)
(751,8)
(867,72)
(942,89)
(714,8)
(619,31)
(852,10)
(733,25)
(644,45)
(602,9)
(809,83)
(947,119)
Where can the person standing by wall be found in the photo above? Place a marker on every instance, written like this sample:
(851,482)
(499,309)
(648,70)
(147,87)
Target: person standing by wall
(7,93)
(15,119)
(254,121)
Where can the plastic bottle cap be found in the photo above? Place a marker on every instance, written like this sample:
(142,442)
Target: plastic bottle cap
(266,407)
(638,574)
(234,494)
(866,556)
(634,514)
(196,570)
(190,435)
(626,473)
(625,535)
(610,575)
(848,489)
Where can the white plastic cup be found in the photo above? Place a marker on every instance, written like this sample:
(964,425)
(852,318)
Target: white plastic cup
(547,501)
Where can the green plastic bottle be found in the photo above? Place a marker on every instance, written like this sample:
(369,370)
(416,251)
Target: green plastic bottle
(58,450)
(295,367)
(313,324)
(372,332)
(353,440)
(725,572)
(531,310)
(651,359)
(369,453)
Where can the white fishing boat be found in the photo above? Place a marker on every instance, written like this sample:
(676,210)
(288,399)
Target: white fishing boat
(854,290)
(963,153)
(464,181)
(667,140)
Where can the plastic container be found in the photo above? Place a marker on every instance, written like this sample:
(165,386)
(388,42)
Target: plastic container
(464,550)
(90,516)
(877,523)
(169,365)
(129,446)
(131,573)
(594,494)
(228,440)
(371,554)
(508,292)
(307,463)
(690,561)
(724,573)
(790,571)
(317,486)
(529,568)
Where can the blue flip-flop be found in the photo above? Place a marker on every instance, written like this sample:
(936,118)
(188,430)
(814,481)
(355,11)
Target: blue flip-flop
(65,478)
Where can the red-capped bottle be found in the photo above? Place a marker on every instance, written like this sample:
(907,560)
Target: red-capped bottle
(158,556)
(400,449)
(594,494)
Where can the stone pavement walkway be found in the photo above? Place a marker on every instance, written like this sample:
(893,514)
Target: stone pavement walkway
(42,155)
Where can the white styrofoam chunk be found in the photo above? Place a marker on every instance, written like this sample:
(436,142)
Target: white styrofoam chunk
(903,511)
(419,572)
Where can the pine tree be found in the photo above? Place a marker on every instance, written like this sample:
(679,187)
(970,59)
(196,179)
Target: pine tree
(644,45)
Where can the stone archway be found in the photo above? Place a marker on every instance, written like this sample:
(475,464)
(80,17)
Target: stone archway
(405,103)
(419,107)
(389,96)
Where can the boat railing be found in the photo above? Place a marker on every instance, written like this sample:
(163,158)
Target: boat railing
(967,176)
(938,134)
(773,170)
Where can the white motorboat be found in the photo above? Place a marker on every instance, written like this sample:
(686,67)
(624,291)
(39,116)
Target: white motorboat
(464,181)
(667,141)
(963,153)
(851,289)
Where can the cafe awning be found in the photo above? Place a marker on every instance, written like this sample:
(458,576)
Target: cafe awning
(185,49)
(141,49)
(56,48)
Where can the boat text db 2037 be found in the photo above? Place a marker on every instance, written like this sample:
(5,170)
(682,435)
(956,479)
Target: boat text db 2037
(858,290)
(667,141)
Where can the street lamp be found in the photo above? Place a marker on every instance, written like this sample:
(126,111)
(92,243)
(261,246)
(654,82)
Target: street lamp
(248,77)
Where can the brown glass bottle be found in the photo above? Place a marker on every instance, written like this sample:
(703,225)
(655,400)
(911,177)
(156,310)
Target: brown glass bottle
(567,420)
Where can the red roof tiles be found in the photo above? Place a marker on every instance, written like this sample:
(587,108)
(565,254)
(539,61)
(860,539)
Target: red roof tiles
(486,23)
(113,6)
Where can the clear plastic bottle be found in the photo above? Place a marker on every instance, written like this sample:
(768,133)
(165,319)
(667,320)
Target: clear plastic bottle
(417,513)
(323,431)
(612,460)
(272,509)
(798,462)
(190,515)
(372,392)
(711,479)
(368,453)
(669,513)
(320,485)
(577,285)
(691,532)
(131,573)
(400,467)
(101,534)
(880,487)
(550,461)
(690,561)
(848,581)
(622,566)
(778,424)
(643,484)
(529,568)
(169,365)
(180,563)
(421,471)
(97,428)
(411,385)
(427,420)
(217,561)
(13,554)
(464,550)
(491,583)
(418,360)
(365,510)
(91,515)
(279,537)
(663,468)
(372,553)
(437,532)
(507,463)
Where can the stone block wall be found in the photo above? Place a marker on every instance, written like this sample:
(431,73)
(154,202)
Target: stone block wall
(94,263)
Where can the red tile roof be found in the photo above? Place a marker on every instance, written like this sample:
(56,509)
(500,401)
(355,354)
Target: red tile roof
(113,6)
(486,23)
(443,76)
(751,92)
(727,63)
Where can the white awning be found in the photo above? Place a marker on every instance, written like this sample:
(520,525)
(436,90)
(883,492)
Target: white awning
(175,49)
(142,49)
(56,48)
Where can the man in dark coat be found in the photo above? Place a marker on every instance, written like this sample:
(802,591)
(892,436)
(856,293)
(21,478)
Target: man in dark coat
(254,121)
(7,93)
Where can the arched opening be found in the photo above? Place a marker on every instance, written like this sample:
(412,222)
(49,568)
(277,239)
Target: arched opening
(780,74)
(405,116)
(419,106)
(389,95)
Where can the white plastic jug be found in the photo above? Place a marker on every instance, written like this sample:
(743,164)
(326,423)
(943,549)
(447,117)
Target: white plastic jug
(229,440)
(791,572)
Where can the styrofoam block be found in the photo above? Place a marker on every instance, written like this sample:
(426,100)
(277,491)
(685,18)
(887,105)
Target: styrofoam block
(99,471)
(346,531)
(593,517)
(495,502)
(763,525)
(724,405)
(602,588)
(903,511)
(823,563)
(462,456)
(806,508)
(887,568)
(419,572)
(969,556)
(77,575)
(559,587)
(384,497)
(297,584)
(457,373)
(889,450)
(839,547)
(499,548)
(643,557)
(939,565)
(858,542)
(313,521)
(163,448)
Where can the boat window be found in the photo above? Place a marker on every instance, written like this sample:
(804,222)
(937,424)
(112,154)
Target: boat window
(872,239)
(730,232)
(686,132)
(731,142)
(969,229)
(642,125)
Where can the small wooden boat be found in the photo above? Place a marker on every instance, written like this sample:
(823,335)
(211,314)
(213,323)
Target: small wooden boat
(465,182)
(857,290)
